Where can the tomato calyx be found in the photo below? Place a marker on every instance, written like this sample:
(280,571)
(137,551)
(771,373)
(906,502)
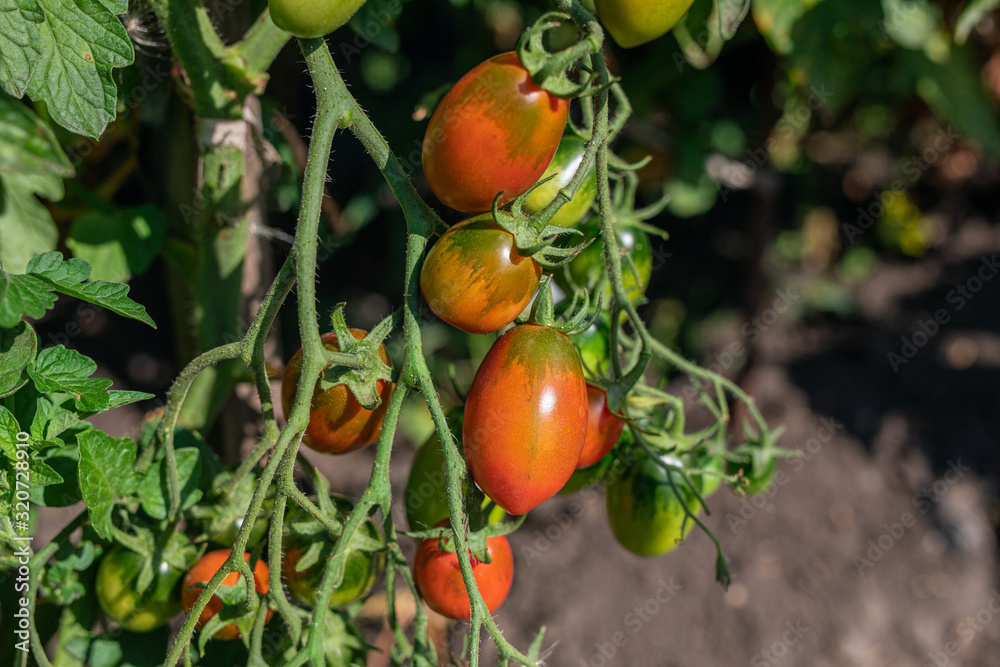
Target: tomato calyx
(574,320)
(533,236)
(561,72)
(358,364)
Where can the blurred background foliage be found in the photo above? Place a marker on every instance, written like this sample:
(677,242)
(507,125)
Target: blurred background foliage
(825,137)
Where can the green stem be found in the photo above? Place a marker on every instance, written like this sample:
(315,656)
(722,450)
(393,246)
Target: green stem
(261,45)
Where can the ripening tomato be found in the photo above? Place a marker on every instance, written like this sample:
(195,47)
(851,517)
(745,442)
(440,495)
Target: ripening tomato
(204,570)
(117,577)
(337,422)
(312,18)
(644,511)
(494,130)
(567,160)
(603,428)
(526,417)
(440,582)
(635,22)
(588,266)
(361,568)
(474,279)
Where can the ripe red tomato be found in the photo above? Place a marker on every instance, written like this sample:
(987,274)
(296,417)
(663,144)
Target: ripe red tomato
(526,417)
(337,422)
(440,582)
(494,130)
(603,428)
(474,278)
(204,570)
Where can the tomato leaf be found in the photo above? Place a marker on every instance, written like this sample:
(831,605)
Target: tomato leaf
(77,44)
(106,475)
(31,293)
(27,143)
(122,649)
(59,369)
(26,227)
(18,347)
(19,43)
(121,244)
(154,490)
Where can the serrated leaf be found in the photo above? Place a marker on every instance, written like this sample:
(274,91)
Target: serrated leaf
(106,475)
(63,370)
(81,42)
(18,347)
(26,227)
(68,276)
(731,14)
(9,429)
(41,474)
(154,491)
(30,294)
(117,397)
(121,244)
(27,143)
(970,17)
(19,43)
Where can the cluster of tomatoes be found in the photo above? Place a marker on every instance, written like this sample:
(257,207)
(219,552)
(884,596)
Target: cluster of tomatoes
(532,426)
(176,584)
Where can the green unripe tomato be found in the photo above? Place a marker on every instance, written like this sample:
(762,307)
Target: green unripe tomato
(312,18)
(118,596)
(425,496)
(567,160)
(594,348)
(227,536)
(588,266)
(644,512)
(635,22)
(361,568)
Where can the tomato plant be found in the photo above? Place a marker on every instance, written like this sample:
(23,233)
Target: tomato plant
(494,131)
(645,511)
(635,22)
(526,417)
(204,570)
(440,582)
(568,158)
(337,422)
(361,565)
(311,18)
(119,596)
(474,279)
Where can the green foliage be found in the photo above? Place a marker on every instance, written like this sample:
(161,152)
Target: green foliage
(63,53)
